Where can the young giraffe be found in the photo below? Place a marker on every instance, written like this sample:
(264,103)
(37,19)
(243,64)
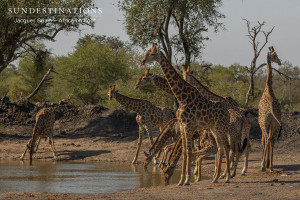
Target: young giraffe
(43,127)
(269,114)
(238,120)
(148,115)
(195,113)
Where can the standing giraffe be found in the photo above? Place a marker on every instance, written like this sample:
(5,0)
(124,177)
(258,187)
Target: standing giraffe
(239,120)
(148,115)
(195,113)
(269,114)
(43,127)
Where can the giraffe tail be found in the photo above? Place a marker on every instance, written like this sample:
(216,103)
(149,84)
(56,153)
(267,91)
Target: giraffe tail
(244,145)
(279,134)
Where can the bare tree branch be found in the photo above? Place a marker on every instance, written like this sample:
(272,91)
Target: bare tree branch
(45,78)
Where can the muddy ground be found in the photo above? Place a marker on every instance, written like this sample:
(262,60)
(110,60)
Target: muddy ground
(94,133)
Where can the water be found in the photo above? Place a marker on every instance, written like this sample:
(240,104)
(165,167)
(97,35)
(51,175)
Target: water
(74,177)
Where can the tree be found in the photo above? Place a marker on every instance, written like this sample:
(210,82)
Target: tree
(85,74)
(31,70)
(20,26)
(152,21)
(253,33)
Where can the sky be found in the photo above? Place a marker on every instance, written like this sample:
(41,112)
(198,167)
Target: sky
(225,47)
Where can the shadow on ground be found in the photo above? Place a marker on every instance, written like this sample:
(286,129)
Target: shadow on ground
(78,155)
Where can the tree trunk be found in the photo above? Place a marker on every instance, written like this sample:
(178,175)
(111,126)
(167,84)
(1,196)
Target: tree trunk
(251,88)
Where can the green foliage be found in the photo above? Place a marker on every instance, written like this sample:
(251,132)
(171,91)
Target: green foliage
(85,74)
(16,35)
(32,67)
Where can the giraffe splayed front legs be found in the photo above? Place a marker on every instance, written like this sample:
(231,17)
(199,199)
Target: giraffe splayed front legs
(43,127)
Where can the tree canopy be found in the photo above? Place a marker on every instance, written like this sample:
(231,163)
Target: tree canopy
(176,24)
(19,26)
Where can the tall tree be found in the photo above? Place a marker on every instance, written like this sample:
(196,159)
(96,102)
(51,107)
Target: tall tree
(253,34)
(22,23)
(178,25)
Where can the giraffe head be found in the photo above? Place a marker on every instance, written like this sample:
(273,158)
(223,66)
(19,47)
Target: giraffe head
(187,73)
(145,79)
(168,171)
(273,56)
(151,55)
(148,159)
(112,92)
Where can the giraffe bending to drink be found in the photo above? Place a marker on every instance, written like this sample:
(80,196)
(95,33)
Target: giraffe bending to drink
(43,127)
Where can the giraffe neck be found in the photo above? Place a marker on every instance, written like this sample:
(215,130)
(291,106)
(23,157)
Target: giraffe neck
(135,105)
(182,90)
(204,91)
(269,75)
(162,84)
(167,132)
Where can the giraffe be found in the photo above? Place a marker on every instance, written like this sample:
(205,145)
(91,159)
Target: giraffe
(269,114)
(195,113)
(170,130)
(238,120)
(147,78)
(43,127)
(148,115)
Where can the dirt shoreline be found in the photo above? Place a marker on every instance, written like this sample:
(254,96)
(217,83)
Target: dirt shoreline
(95,134)
(284,183)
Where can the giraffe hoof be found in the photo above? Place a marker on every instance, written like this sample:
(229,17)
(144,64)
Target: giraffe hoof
(227,181)
(243,174)
(215,181)
(186,183)
(133,162)
(263,169)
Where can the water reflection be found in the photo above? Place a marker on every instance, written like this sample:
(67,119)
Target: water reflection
(75,177)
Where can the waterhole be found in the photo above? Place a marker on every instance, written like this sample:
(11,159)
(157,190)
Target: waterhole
(74,177)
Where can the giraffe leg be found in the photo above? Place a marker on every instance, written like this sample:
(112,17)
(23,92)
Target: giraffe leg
(184,158)
(151,140)
(37,146)
(189,144)
(236,160)
(231,160)
(263,167)
(51,142)
(218,165)
(246,158)
(199,163)
(140,140)
(271,154)
(264,141)
(27,147)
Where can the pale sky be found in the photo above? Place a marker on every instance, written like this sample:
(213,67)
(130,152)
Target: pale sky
(225,47)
